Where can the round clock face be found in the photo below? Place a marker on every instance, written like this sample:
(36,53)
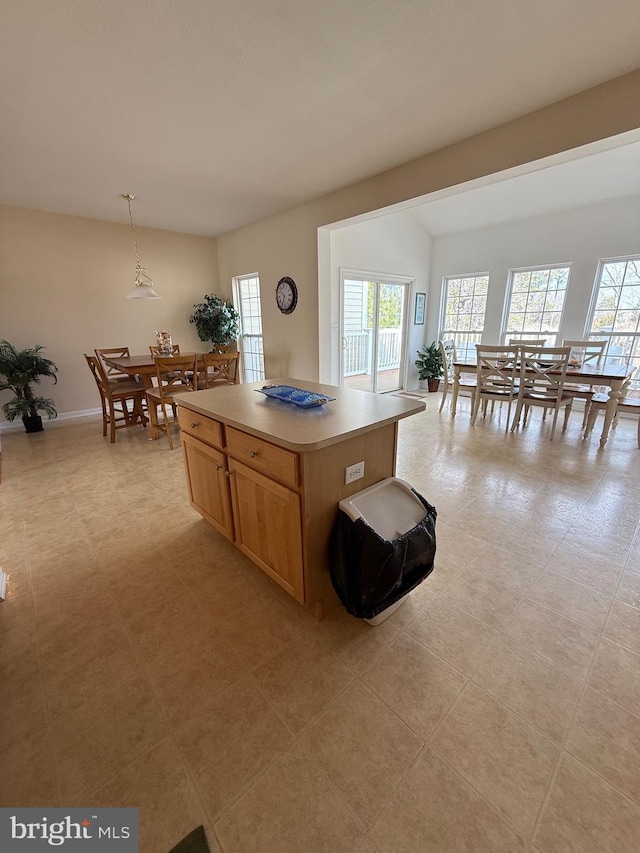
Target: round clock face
(286,295)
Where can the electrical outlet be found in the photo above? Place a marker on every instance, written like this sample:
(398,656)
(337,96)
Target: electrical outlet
(354,472)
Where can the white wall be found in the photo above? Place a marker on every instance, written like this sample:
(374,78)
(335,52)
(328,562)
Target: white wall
(389,245)
(580,237)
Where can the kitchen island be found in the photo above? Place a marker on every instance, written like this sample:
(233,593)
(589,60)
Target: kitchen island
(269,475)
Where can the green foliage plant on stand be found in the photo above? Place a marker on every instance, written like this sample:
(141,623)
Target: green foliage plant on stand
(429,364)
(20,369)
(215,321)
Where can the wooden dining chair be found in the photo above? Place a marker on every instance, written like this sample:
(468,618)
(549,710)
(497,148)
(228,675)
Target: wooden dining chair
(592,351)
(448,353)
(115,398)
(496,377)
(541,383)
(113,374)
(176,375)
(219,369)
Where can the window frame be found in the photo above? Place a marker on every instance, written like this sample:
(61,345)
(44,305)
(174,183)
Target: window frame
(505,333)
(250,373)
(633,357)
(448,334)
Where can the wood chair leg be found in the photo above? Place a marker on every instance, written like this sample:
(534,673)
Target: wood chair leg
(166,424)
(153,415)
(112,426)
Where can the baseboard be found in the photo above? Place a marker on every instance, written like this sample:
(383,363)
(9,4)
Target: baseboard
(6,426)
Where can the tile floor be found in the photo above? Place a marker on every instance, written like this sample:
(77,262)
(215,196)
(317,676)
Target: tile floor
(145,662)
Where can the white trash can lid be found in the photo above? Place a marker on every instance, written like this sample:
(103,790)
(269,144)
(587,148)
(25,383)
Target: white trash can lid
(390,507)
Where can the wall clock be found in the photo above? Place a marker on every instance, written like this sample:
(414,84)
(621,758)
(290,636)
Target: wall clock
(286,295)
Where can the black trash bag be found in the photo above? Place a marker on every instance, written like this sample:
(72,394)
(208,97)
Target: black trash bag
(370,573)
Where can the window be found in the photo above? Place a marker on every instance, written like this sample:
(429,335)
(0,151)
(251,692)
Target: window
(615,313)
(464,307)
(536,299)
(247,297)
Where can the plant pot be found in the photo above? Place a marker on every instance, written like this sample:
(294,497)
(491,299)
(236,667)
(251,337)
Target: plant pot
(433,384)
(32,423)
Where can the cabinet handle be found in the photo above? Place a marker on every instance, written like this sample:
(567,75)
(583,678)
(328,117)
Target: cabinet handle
(218,467)
(253,453)
(194,426)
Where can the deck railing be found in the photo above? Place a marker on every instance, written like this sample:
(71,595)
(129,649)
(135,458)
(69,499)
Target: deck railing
(358,348)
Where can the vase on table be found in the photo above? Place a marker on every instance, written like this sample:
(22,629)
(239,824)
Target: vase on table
(165,345)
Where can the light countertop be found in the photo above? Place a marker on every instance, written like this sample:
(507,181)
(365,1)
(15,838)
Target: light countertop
(299,429)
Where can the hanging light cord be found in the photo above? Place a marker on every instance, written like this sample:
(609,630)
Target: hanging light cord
(140,270)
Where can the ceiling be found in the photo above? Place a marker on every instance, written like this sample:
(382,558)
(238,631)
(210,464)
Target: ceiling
(217,113)
(551,187)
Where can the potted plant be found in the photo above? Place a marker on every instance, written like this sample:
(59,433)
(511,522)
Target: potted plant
(20,369)
(429,364)
(216,321)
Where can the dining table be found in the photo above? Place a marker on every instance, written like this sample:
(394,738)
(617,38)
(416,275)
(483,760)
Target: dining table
(143,366)
(611,375)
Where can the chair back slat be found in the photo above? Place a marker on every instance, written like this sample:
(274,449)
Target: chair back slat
(115,352)
(176,373)
(99,374)
(219,369)
(497,368)
(592,350)
(154,349)
(543,369)
(448,353)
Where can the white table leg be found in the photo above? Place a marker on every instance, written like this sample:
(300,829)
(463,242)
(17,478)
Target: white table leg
(610,409)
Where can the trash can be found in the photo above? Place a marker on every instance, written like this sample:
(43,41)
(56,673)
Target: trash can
(382,546)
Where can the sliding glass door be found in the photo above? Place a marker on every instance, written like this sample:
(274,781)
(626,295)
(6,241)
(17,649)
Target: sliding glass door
(373,332)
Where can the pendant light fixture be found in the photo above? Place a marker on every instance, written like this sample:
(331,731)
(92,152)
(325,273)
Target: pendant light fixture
(143,285)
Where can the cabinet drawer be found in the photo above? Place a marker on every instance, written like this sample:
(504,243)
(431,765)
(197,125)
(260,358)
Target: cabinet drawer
(199,426)
(276,462)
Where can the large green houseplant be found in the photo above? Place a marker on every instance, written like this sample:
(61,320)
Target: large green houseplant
(429,364)
(20,369)
(215,321)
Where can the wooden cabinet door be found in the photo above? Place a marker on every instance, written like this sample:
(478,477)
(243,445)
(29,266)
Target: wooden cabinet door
(268,526)
(208,483)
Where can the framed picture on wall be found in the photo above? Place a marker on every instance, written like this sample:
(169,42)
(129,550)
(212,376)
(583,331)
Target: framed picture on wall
(421,299)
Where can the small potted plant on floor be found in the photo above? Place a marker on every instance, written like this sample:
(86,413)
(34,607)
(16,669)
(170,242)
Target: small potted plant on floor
(429,364)
(20,369)
(215,321)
